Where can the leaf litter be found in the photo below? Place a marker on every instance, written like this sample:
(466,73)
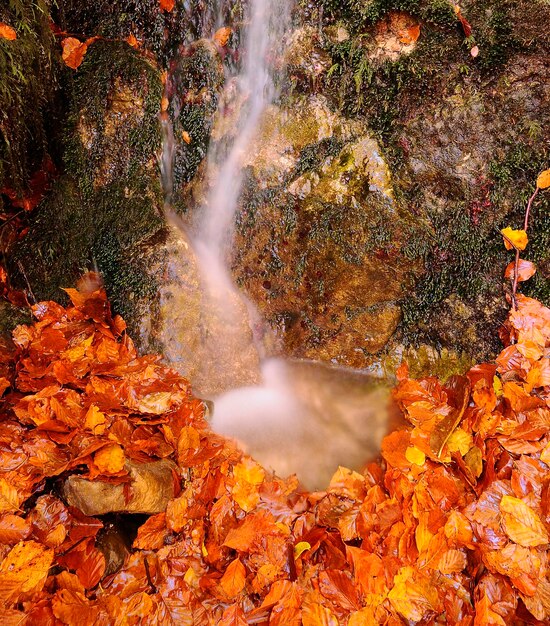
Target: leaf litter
(450,527)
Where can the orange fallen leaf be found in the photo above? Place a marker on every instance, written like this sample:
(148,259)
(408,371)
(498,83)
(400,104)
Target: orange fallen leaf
(132,41)
(13,529)
(74,51)
(9,497)
(7,32)
(167,5)
(233,579)
(221,36)
(110,459)
(466,27)
(521,523)
(185,136)
(409,35)
(24,570)
(526,269)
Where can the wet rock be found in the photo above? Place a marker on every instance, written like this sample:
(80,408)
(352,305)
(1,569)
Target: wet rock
(322,218)
(151,487)
(304,57)
(459,158)
(394,35)
(114,545)
(209,342)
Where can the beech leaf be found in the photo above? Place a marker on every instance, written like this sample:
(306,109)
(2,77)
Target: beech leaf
(521,523)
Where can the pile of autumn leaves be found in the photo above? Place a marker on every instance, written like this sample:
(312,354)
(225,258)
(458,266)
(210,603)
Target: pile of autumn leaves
(451,528)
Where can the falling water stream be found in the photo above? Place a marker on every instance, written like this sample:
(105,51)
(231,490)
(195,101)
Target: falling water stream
(298,417)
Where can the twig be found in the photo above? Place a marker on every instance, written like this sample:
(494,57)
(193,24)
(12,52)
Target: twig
(22,270)
(516,265)
(148,574)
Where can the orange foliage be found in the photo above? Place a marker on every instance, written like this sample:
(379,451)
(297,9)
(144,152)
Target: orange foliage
(7,32)
(451,527)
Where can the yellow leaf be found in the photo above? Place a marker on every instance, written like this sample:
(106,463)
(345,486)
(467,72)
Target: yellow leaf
(248,475)
(545,454)
(300,548)
(497,386)
(521,523)
(233,579)
(249,471)
(110,459)
(460,441)
(543,180)
(24,570)
(95,420)
(9,497)
(516,239)
(191,577)
(411,595)
(415,455)
(77,352)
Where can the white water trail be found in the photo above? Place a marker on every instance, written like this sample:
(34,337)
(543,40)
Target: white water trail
(268,23)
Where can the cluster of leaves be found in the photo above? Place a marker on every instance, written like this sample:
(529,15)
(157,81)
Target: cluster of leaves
(451,527)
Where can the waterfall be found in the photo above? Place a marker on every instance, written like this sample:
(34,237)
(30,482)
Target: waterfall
(303,417)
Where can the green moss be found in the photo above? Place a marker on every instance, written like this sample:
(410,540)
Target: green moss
(27,87)
(105,208)
(360,14)
(11,316)
(514,179)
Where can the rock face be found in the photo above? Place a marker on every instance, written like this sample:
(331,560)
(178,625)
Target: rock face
(313,241)
(367,225)
(212,345)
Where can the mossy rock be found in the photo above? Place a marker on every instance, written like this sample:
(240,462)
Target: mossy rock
(106,210)
(28,102)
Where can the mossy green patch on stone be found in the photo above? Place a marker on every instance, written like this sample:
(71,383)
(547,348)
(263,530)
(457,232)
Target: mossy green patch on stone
(27,92)
(108,205)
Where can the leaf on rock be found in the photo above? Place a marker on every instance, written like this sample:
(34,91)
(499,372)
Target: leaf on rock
(167,5)
(110,459)
(221,36)
(74,51)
